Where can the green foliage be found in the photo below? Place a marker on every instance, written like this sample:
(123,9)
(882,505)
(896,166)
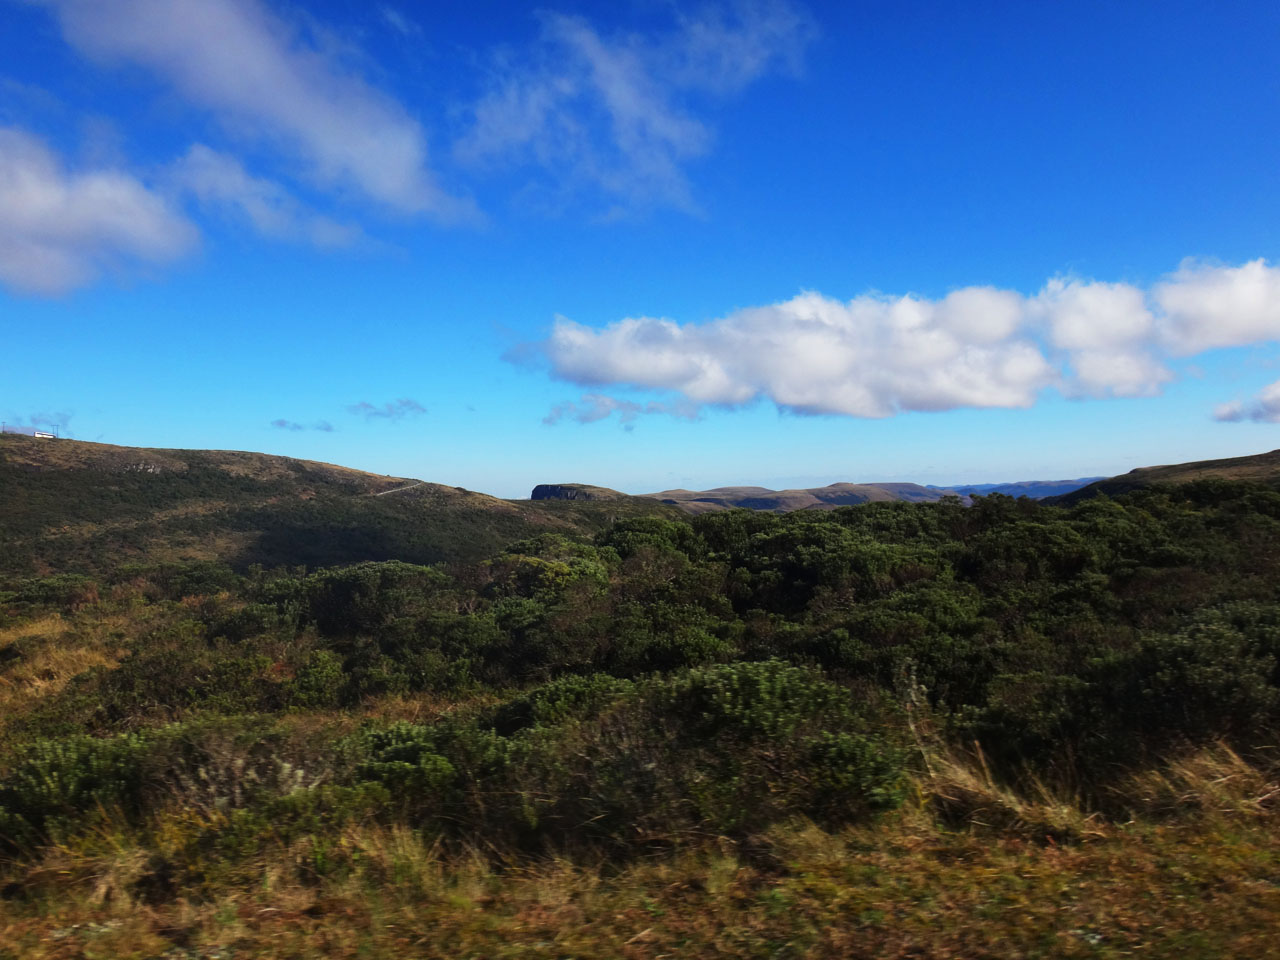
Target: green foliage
(53,784)
(560,701)
(750,701)
(599,760)
(672,680)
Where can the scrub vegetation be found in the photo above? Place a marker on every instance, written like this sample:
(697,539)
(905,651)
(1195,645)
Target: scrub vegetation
(898,729)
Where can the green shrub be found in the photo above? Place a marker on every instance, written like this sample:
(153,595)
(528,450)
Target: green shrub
(559,701)
(319,683)
(54,785)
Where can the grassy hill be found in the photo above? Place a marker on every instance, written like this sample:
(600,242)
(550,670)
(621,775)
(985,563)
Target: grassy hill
(71,506)
(1259,468)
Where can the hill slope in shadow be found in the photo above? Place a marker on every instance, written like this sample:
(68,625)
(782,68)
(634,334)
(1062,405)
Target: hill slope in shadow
(73,506)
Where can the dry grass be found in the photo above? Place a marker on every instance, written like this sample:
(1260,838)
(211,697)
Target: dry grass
(896,891)
(913,885)
(961,792)
(1208,784)
(53,651)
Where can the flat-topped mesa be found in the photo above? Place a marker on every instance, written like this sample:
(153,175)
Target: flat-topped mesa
(573,491)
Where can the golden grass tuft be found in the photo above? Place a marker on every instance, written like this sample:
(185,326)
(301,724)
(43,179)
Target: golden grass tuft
(1211,782)
(46,654)
(960,790)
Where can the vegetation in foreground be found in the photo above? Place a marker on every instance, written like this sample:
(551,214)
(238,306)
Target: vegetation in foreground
(892,730)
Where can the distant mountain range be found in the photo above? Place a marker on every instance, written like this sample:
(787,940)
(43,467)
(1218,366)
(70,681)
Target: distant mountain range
(1035,489)
(811,498)
(1262,467)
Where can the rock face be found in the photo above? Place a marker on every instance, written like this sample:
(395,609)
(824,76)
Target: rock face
(573,491)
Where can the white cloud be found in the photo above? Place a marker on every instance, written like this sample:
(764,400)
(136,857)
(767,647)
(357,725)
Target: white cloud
(1106,329)
(1209,306)
(219,181)
(612,113)
(60,228)
(1264,408)
(263,80)
(870,357)
(978,347)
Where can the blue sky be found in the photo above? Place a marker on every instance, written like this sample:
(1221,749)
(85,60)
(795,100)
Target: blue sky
(646,244)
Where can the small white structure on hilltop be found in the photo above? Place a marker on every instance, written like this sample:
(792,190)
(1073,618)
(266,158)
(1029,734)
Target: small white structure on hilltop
(31,431)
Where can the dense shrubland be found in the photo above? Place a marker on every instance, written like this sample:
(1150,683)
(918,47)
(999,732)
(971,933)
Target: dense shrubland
(667,687)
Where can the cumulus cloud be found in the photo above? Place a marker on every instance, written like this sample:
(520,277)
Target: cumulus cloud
(393,410)
(598,406)
(613,112)
(978,347)
(1207,306)
(870,357)
(265,80)
(1107,330)
(324,426)
(60,228)
(220,182)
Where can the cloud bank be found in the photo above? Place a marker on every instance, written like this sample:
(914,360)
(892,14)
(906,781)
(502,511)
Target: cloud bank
(613,113)
(61,228)
(979,347)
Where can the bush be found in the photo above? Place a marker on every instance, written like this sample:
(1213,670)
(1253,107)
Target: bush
(601,762)
(55,785)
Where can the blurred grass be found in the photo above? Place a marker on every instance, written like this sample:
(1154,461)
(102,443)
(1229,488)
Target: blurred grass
(1181,884)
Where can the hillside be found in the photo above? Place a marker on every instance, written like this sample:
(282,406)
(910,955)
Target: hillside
(72,506)
(1258,468)
(785,501)
(905,730)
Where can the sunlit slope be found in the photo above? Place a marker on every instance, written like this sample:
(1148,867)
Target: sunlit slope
(1259,468)
(67,505)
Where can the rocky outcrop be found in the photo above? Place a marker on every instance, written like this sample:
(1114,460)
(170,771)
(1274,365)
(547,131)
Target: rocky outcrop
(573,491)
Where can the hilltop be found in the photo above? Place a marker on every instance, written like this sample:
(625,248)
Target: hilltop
(1258,468)
(74,506)
(811,498)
